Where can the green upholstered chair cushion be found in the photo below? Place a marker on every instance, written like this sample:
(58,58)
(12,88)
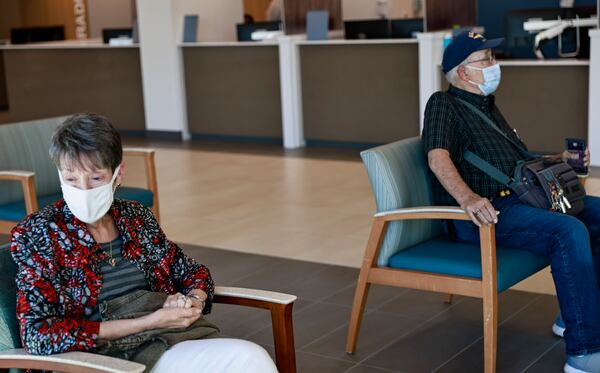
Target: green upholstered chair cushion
(24,146)
(9,332)
(399,177)
(16,211)
(442,255)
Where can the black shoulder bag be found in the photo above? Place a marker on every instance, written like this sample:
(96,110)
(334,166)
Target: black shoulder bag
(541,182)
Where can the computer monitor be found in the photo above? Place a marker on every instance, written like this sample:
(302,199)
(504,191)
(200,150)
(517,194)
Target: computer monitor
(245,30)
(23,35)
(368,29)
(114,33)
(406,27)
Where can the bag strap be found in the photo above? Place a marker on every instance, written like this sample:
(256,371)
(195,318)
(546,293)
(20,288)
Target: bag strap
(487,119)
(487,168)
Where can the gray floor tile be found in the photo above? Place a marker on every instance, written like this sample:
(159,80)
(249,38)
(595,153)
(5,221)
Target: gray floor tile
(309,363)
(428,346)
(378,295)
(311,323)
(420,305)
(324,283)
(227,267)
(551,361)
(378,330)
(367,369)
(515,353)
(536,319)
(281,275)
(241,322)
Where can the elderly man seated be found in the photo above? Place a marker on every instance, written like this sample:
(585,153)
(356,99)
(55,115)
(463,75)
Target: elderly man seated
(571,243)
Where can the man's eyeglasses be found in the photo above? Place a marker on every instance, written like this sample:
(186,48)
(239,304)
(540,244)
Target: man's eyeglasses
(490,60)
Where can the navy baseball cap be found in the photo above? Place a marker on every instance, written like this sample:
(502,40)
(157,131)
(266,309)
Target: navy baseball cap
(463,45)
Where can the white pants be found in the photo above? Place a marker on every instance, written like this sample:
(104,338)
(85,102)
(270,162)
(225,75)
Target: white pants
(216,355)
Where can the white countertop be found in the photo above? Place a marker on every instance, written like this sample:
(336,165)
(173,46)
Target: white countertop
(66,44)
(552,62)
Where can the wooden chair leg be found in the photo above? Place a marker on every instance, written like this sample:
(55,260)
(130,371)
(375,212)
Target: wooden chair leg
(490,332)
(358,309)
(448,298)
(283,335)
(362,287)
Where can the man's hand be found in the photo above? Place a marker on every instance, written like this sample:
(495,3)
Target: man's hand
(480,210)
(566,155)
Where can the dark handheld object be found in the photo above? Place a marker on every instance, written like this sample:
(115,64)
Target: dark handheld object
(577,146)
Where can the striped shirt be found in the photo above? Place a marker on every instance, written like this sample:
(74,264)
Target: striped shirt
(121,279)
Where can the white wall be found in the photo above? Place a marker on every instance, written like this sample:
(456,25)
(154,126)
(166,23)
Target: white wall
(367,9)
(216,18)
(108,14)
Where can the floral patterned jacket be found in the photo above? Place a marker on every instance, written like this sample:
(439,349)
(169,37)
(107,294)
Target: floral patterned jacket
(59,272)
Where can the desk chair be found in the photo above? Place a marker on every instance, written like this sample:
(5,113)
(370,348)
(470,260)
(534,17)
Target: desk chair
(407,247)
(13,356)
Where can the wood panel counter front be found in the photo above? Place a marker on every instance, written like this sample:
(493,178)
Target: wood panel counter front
(47,80)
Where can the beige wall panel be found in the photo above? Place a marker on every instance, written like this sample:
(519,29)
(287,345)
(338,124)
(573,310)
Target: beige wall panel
(360,93)
(545,104)
(109,14)
(52,82)
(233,91)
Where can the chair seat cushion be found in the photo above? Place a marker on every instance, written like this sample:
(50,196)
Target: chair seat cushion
(446,256)
(16,211)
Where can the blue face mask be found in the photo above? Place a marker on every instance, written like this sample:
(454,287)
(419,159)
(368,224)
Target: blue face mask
(491,78)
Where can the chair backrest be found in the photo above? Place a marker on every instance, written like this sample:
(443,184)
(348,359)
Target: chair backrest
(399,177)
(9,332)
(24,146)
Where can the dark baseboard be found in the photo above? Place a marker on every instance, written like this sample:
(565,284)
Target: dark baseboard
(340,144)
(152,135)
(233,138)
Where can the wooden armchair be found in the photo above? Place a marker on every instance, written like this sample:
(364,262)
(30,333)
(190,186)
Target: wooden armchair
(407,248)
(29,180)
(12,356)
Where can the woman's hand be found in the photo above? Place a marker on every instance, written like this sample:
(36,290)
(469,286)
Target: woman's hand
(177,300)
(173,318)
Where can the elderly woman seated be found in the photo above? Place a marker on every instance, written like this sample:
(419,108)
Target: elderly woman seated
(98,274)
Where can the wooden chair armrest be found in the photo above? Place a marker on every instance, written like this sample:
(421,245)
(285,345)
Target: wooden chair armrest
(280,305)
(224,292)
(150,168)
(27,180)
(423,212)
(76,362)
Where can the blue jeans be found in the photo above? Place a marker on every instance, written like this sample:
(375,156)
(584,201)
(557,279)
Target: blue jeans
(572,246)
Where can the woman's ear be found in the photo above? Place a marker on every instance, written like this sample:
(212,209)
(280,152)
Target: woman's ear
(119,178)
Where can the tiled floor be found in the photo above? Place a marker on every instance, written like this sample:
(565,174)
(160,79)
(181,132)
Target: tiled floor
(403,330)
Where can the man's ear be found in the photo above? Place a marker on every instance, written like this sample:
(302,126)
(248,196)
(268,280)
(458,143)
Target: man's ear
(462,72)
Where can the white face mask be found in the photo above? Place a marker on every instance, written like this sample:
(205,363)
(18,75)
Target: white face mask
(89,205)
(491,78)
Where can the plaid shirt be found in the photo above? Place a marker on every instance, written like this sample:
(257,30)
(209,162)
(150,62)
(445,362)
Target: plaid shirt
(452,126)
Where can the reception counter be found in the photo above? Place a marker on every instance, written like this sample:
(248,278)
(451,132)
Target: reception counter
(232,90)
(53,79)
(357,91)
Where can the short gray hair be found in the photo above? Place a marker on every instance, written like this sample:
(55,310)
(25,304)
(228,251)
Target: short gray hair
(452,74)
(86,137)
